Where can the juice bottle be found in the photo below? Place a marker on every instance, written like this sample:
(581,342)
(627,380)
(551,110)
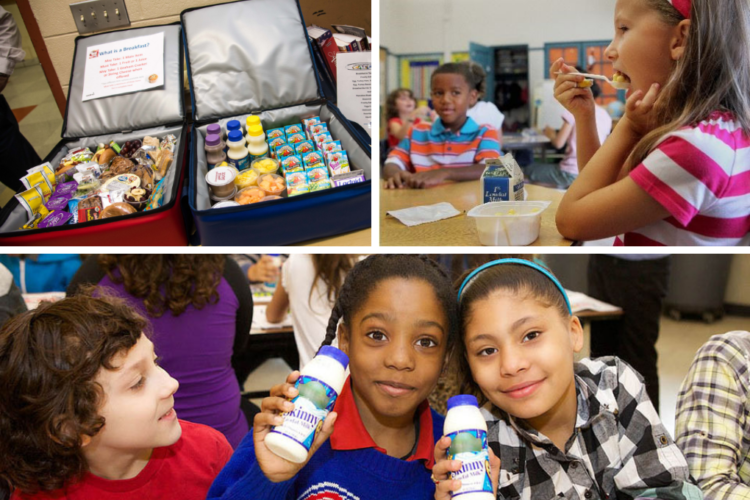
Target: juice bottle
(237,155)
(214,150)
(250,121)
(256,143)
(233,125)
(319,384)
(215,129)
(468,432)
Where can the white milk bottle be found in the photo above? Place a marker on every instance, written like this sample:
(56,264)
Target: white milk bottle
(468,432)
(256,143)
(237,155)
(319,384)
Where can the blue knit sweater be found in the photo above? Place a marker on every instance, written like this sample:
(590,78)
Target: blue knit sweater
(365,474)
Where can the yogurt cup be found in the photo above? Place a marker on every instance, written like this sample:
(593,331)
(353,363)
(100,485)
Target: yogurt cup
(220,181)
(230,196)
(227,203)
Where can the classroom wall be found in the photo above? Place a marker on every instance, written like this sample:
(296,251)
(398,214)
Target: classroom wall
(419,26)
(738,293)
(59,30)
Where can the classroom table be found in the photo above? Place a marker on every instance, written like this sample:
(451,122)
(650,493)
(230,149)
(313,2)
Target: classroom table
(514,141)
(459,230)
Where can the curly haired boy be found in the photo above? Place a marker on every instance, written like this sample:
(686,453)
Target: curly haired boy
(86,412)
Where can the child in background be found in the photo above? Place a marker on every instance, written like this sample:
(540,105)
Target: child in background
(399,324)
(711,424)
(86,412)
(673,172)
(563,174)
(560,429)
(454,147)
(483,112)
(401,113)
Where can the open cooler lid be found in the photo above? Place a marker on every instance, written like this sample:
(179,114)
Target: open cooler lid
(247,56)
(133,111)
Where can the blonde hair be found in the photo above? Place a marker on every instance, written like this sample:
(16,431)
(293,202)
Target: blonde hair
(712,75)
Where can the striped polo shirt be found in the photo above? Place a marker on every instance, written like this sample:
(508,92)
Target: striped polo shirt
(427,147)
(701,175)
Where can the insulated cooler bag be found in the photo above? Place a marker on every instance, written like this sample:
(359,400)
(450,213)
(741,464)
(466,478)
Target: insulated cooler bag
(121,118)
(253,57)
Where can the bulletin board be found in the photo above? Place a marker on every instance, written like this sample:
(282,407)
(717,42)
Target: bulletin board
(415,71)
(458,57)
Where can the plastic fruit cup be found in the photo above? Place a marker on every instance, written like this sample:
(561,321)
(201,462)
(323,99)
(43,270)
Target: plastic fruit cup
(250,195)
(246,178)
(265,166)
(230,196)
(272,197)
(508,223)
(272,184)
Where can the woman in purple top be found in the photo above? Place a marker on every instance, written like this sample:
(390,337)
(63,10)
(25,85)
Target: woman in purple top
(201,309)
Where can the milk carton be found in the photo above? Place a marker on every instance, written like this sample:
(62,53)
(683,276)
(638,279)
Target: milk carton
(502,180)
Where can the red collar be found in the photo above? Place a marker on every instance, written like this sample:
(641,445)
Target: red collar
(350,433)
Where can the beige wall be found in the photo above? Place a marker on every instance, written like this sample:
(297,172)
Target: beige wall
(59,30)
(28,47)
(738,291)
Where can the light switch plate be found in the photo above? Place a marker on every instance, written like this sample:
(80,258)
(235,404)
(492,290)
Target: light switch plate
(99,15)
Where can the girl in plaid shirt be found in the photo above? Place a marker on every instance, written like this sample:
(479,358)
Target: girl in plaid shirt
(561,429)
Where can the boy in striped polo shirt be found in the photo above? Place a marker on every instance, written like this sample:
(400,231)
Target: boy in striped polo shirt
(454,148)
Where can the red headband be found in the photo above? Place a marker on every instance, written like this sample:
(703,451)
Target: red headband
(682,6)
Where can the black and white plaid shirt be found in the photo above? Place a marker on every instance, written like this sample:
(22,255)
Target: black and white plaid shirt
(619,448)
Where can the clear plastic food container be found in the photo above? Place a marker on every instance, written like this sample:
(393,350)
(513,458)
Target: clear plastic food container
(508,223)
(272,184)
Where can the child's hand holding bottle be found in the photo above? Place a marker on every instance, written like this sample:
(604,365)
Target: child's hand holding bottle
(274,467)
(441,471)
(579,101)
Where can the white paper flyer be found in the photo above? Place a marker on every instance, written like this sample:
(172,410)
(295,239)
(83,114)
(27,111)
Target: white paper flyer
(125,66)
(354,87)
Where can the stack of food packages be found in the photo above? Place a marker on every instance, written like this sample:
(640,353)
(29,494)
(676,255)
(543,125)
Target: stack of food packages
(112,181)
(303,158)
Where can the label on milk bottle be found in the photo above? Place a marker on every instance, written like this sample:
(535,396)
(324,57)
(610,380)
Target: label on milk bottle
(470,447)
(241,164)
(314,402)
(259,157)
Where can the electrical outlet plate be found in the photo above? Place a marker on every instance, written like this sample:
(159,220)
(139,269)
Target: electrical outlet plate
(99,15)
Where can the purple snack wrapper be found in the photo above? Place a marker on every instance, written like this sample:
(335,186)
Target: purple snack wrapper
(57,204)
(55,219)
(66,188)
(348,178)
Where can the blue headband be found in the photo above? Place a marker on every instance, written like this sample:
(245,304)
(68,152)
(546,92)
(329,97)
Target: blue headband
(522,262)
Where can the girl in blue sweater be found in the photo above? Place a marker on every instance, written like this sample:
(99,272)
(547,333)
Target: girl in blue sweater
(398,325)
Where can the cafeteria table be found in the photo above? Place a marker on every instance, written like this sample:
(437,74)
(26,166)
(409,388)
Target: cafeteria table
(459,230)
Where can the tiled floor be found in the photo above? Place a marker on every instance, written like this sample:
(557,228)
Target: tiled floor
(42,125)
(677,345)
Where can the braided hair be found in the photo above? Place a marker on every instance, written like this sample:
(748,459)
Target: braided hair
(366,274)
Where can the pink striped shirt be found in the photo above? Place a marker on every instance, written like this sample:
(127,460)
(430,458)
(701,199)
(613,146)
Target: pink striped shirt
(701,175)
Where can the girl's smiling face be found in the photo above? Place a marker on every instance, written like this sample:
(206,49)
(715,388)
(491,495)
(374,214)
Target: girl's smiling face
(521,354)
(645,46)
(451,97)
(397,344)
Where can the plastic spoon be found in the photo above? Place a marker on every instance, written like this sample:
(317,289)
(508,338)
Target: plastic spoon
(617,85)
